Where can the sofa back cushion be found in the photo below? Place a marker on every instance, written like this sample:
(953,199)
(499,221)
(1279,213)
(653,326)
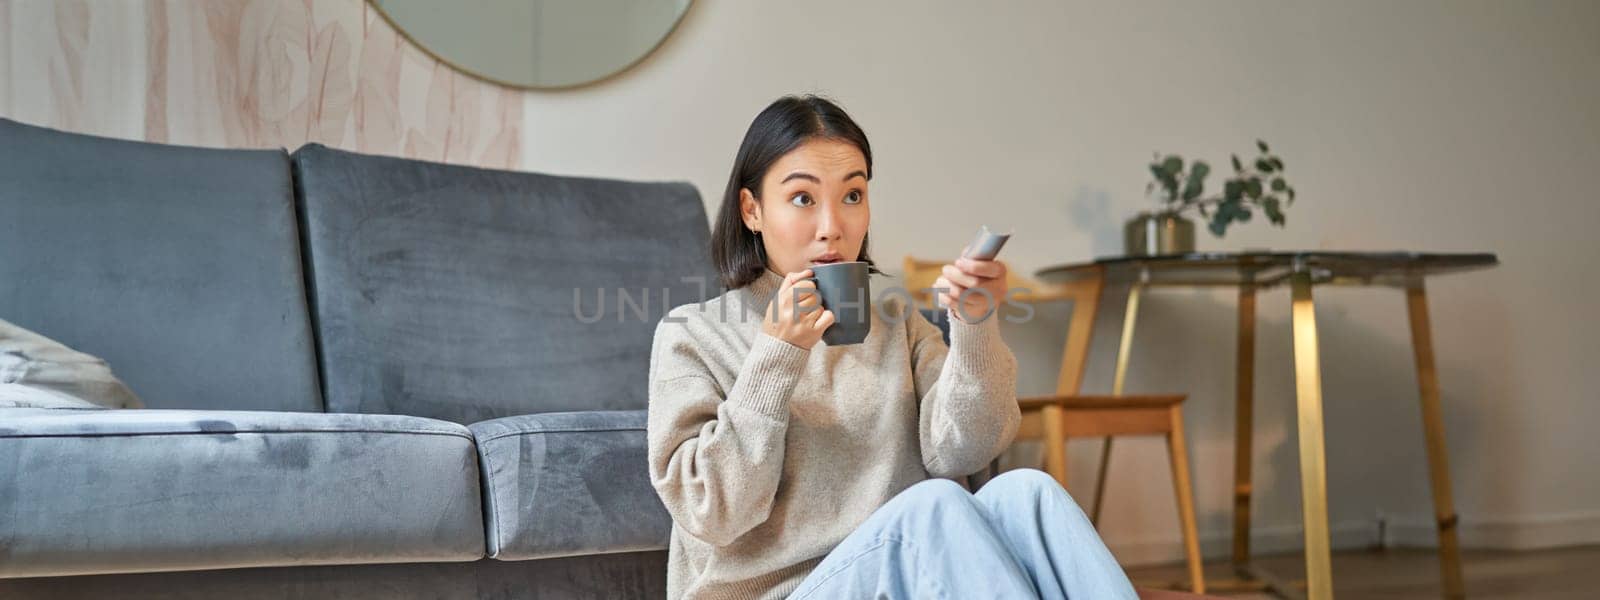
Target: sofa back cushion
(178,266)
(468,294)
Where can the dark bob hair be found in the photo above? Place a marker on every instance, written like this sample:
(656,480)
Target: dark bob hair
(783,126)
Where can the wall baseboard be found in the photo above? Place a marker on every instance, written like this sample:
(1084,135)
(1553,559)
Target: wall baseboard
(1218,545)
(1507,533)
(1514,533)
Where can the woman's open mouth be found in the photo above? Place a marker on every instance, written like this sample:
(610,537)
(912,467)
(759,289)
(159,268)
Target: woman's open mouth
(828,258)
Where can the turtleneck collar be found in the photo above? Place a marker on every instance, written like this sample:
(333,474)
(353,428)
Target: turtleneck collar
(766,285)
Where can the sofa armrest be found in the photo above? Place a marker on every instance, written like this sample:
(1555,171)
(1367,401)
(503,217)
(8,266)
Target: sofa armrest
(565,484)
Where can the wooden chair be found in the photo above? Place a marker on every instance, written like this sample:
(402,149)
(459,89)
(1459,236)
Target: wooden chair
(1066,414)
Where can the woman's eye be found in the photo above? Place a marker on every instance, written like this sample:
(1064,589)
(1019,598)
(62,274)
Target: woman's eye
(801,200)
(854,197)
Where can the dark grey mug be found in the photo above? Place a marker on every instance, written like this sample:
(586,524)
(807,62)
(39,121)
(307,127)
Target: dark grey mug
(845,290)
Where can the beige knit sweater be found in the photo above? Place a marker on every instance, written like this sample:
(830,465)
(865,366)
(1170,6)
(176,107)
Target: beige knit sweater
(767,455)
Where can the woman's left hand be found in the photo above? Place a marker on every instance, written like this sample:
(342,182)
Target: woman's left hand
(974,288)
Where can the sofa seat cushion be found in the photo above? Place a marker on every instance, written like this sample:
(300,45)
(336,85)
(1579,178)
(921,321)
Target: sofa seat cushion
(563,484)
(84,492)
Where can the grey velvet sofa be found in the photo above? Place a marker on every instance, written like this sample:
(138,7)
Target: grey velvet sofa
(365,376)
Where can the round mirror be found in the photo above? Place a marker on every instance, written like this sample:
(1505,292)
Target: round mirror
(536,43)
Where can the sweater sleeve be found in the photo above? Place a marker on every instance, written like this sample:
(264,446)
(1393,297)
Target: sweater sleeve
(716,455)
(968,394)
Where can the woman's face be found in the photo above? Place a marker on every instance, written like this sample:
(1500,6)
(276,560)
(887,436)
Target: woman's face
(813,206)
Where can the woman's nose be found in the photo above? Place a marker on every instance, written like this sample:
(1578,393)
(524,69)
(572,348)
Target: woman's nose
(828,223)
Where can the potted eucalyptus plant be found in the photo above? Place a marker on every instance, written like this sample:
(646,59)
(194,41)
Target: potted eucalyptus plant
(1255,186)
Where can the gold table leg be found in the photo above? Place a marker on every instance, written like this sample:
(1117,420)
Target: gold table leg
(1176,450)
(1433,426)
(1313,453)
(1130,316)
(1244,423)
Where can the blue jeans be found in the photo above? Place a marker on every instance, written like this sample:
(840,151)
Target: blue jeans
(1020,536)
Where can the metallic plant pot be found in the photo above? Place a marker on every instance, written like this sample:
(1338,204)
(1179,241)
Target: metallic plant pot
(1149,235)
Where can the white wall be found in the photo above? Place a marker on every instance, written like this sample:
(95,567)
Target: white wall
(1429,126)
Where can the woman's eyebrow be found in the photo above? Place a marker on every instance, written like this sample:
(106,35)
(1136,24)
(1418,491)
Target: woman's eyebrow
(813,178)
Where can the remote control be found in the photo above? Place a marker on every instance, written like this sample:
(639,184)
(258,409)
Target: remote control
(987,244)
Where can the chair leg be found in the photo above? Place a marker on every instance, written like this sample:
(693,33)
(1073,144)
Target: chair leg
(1055,443)
(1179,453)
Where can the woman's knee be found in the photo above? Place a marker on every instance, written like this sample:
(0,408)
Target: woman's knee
(929,493)
(937,499)
(936,490)
(1025,483)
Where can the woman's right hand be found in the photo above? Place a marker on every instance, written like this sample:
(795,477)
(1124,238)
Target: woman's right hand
(796,315)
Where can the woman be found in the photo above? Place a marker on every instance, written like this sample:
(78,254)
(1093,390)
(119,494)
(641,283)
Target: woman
(791,467)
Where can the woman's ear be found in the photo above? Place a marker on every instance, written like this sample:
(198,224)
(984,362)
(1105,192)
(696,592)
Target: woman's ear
(749,209)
